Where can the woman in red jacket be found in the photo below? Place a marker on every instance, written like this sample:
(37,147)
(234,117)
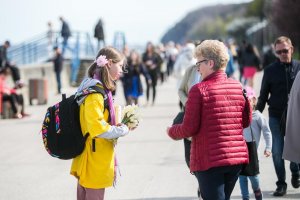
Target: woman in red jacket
(215,115)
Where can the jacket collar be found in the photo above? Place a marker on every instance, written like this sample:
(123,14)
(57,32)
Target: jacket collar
(216,75)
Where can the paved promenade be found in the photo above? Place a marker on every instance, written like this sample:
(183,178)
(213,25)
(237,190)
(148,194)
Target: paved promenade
(152,165)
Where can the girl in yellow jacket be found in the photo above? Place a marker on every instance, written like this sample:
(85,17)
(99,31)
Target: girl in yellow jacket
(95,167)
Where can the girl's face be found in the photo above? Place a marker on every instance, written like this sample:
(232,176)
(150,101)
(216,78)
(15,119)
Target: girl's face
(115,69)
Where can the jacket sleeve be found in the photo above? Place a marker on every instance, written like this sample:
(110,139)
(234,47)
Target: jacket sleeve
(266,132)
(192,117)
(115,132)
(264,93)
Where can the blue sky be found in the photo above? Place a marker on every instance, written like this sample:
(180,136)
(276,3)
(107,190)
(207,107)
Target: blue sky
(141,20)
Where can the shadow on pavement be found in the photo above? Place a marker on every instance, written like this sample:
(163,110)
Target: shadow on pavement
(269,195)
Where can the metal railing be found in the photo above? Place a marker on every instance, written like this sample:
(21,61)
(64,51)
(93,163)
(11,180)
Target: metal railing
(39,49)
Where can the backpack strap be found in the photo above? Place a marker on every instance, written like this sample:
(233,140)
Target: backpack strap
(103,92)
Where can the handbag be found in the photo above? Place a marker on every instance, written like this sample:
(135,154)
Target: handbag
(179,118)
(252,168)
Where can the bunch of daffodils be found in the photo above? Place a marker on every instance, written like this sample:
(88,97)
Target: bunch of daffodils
(130,116)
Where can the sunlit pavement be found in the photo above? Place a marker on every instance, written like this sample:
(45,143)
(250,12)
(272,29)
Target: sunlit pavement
(152,165)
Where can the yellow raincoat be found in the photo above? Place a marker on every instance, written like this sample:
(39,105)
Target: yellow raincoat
(94,169)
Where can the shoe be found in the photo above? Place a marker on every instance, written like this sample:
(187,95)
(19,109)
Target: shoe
(25,114)
(280,191)
(258,195)
(295,181)
(17,116)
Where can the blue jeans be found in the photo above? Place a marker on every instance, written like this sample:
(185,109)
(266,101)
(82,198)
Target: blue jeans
(277,149)
(244,185)
(217,183)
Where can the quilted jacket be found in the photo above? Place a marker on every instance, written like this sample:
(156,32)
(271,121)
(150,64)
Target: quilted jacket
(216,113)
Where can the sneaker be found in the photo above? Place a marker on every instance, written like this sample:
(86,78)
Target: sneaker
(295,181)
(280,191)
(258,195)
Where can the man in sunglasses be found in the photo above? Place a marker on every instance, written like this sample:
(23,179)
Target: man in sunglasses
(275,88)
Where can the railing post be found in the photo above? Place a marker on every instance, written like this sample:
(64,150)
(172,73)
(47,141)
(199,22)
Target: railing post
(75,63)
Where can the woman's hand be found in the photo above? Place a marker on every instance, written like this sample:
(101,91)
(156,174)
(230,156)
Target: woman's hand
(168,132)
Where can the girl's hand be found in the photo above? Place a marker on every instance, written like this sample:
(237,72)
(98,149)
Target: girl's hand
(267,153)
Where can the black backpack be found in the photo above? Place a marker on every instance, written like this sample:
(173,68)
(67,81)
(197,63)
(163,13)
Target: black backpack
(61,130)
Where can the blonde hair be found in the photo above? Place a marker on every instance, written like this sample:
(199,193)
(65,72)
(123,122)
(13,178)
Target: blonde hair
(102,72)
(283,39)
(213,50)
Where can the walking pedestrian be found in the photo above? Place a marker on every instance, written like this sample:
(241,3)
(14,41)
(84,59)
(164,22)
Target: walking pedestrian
(251,64)
(152,62)
(276,84)
(99,34)
(131,80)
(65,34)
(58,65)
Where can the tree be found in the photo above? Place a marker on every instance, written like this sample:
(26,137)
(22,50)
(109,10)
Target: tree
(285,16)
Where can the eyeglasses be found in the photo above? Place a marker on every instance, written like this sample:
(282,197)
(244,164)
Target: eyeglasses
(199,62)
(285,51)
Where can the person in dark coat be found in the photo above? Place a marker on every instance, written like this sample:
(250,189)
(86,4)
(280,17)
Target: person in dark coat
(132,83)
(65,33)
(99,33)
(58,64)
(276,85)
(152,62)
(5,63)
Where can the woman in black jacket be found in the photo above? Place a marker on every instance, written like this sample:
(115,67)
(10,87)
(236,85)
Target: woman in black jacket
(152,62)
(132,83)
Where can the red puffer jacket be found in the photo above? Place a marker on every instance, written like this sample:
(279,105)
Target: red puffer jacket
(215,116)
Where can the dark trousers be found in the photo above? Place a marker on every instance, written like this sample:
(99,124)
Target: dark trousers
(217,183)
(153,75)
(12,100)
(15,72)
(64,45)
(277,149)
(58,80)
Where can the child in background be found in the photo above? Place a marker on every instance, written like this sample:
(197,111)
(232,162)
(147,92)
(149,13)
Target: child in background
(258,125)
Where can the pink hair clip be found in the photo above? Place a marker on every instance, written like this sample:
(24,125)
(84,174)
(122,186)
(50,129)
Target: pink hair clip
(101,61)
